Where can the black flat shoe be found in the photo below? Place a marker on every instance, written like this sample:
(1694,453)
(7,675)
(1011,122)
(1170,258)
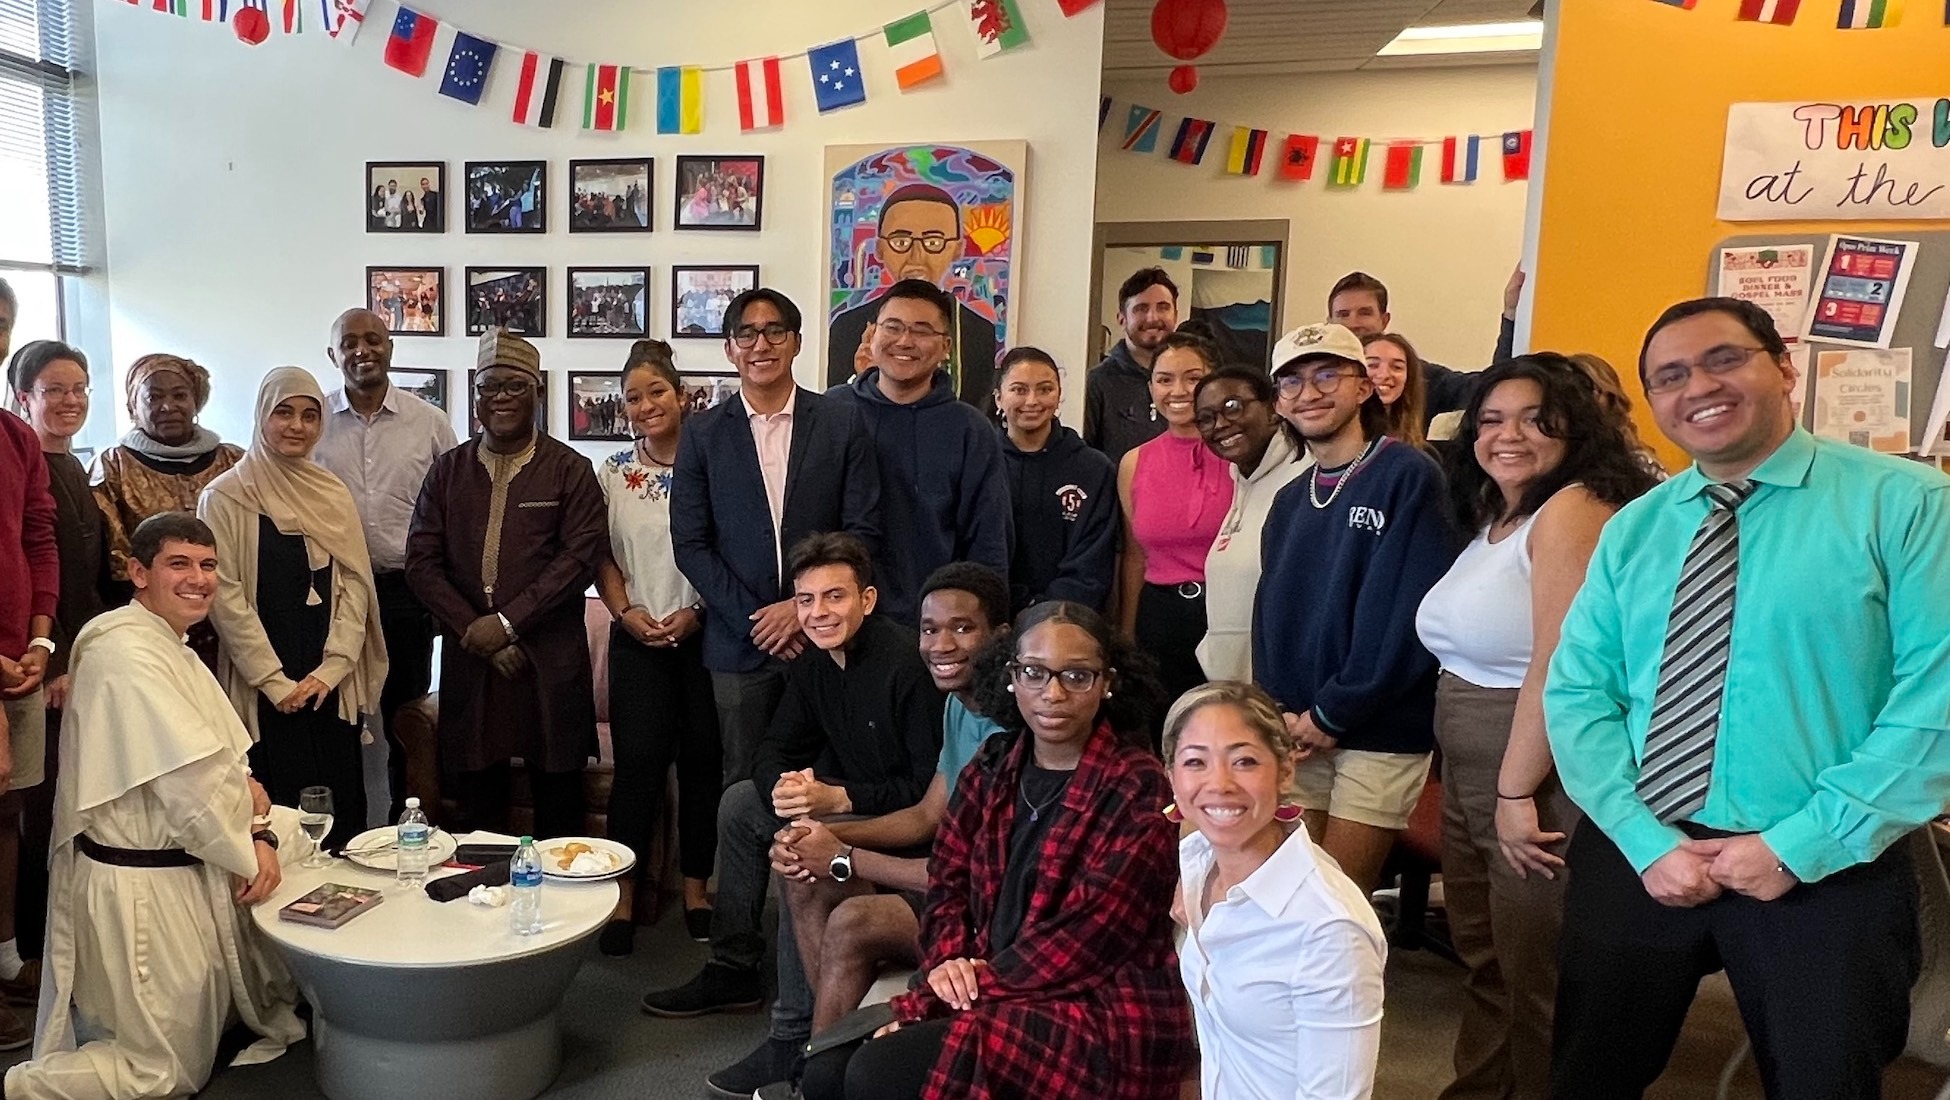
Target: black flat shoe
(697,922)
(618,938)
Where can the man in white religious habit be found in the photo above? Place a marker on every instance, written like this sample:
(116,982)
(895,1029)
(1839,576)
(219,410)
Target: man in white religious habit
(161,843)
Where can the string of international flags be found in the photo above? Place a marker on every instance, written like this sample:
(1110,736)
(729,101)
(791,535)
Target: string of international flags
(1460,155)
(834,69)
(1853,15)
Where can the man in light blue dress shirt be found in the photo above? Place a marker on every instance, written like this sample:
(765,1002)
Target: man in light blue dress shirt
(1751,701)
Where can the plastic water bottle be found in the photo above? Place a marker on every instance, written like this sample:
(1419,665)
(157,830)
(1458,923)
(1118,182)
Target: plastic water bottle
(413,834)
(525,875)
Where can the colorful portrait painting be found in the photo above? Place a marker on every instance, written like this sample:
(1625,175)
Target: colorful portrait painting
(944,213)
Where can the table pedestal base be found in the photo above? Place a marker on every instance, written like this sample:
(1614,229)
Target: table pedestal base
(511,1065)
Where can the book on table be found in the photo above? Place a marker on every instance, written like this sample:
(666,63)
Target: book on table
(331,905)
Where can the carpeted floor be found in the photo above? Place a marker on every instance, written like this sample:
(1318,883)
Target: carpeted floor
(615,1052)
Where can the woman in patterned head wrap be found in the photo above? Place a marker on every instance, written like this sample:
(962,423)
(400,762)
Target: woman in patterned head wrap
(164,462)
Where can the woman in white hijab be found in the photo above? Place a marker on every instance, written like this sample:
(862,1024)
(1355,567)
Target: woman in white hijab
(302,657)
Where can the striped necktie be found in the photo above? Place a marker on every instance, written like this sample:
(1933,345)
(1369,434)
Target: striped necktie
(1678,764)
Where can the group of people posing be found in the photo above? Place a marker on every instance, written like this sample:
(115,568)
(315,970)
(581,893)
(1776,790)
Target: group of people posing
(1108,734)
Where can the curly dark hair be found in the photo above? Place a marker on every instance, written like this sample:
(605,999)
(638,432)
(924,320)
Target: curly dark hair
(1596,453)
(1137,701)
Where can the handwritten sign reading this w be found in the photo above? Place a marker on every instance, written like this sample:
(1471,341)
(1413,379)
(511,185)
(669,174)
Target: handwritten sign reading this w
(1882,159)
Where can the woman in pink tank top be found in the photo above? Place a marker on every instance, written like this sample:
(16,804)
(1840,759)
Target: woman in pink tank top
(1175,495)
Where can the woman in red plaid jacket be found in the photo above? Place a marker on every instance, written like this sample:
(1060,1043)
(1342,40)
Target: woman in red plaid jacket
(1047,932)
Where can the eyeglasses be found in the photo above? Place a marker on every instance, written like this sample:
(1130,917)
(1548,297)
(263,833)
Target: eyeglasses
(1326,379)
(1232,408)
(517,387)
(746,336)
(1724,359)
(1036,677)
(897,329)
(56,393)
(934,244)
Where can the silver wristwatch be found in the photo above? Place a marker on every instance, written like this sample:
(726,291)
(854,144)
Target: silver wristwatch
(841,868)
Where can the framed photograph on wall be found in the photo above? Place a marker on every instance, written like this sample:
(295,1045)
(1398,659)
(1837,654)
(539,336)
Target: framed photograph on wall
(428,385)
(720,192)
(514,298)
(541,406)
(699,294)
(596,407)
(609,301)
(408,299)
(507,196)
(702,391)
(406,196)
(611,196)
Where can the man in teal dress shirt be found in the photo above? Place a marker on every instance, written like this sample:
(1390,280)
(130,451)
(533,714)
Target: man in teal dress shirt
(1831,690)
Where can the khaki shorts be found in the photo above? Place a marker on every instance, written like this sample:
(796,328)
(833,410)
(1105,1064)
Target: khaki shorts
(1372,788)
(27,735)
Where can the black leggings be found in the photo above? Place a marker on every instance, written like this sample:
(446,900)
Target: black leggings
(892,1067)
(661,711)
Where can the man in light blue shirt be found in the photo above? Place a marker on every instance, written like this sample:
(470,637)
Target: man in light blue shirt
(1750,700)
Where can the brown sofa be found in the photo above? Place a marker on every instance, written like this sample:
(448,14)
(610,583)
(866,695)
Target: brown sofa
(419,720)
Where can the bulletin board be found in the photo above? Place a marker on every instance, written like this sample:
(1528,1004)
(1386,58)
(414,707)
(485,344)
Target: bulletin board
(1915,326)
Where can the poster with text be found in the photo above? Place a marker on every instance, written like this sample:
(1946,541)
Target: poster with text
(1860,291)
(1774,277)
(1862,398)
(1849,160)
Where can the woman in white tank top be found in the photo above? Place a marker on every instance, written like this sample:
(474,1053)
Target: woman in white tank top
(1538,469)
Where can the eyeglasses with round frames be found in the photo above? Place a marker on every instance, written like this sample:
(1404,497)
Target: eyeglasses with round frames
(746,336)
(1232,408)
(1326,378)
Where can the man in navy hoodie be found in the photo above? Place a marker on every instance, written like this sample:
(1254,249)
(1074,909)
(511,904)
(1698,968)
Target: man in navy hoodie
(944,493)
(1349,550)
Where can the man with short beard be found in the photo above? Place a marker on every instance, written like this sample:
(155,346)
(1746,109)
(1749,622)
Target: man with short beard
(381,440)
(1117,412)
(504,540)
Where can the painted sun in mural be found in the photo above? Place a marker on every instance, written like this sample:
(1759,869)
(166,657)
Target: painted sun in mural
(987,227)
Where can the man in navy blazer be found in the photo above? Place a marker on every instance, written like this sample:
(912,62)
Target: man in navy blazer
(756,474)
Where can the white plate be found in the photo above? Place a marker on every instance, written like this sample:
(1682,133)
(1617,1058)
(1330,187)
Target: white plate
(619,855)
(440,848)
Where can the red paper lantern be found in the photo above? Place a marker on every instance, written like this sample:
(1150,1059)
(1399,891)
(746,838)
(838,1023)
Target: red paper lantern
(1183,79)
(1186,29)
(252,25)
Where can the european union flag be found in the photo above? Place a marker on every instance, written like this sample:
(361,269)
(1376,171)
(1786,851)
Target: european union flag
(467,68)
(836,76)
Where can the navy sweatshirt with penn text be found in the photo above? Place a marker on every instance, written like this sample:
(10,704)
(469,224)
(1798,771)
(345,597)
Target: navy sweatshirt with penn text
(1334,619)
(944,493)
(1066,521)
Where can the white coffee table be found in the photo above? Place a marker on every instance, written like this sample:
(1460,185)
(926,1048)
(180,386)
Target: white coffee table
(418,999)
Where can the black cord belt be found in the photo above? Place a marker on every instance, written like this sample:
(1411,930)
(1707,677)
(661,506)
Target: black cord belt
(134,857)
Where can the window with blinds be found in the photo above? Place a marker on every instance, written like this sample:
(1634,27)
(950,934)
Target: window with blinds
(42,224)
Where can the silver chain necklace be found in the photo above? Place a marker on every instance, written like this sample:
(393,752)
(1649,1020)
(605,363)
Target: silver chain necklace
(1313,480)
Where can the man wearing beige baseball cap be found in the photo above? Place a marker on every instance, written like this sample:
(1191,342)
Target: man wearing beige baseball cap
(1351,547)
(505,539)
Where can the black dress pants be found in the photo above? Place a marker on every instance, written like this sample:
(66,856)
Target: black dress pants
(486,795)
(408,628)
(1170,625)
(662,711)
(1822,976)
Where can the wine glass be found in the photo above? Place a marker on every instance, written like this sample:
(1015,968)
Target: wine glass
(315,817)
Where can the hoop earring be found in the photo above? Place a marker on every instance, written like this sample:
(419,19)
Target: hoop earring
(1288,812)
(1173,815)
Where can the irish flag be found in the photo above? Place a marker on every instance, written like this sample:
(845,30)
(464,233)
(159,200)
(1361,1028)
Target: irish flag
(911,42)
(1869,14)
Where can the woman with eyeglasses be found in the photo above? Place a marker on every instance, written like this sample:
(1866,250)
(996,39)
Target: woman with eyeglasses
(1064,491)
(660,703)
(1239,419)
(1175,494)
(50,380)
(1397,373)
(1540,467)
(1046,935)
(1283,953)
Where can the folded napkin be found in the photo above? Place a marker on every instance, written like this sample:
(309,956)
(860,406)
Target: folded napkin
(457,886)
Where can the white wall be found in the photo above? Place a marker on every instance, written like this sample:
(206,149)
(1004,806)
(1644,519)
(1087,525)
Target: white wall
(1444,251)
(233,175)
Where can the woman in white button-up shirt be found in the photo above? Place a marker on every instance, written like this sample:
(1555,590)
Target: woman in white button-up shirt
(1282,955)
